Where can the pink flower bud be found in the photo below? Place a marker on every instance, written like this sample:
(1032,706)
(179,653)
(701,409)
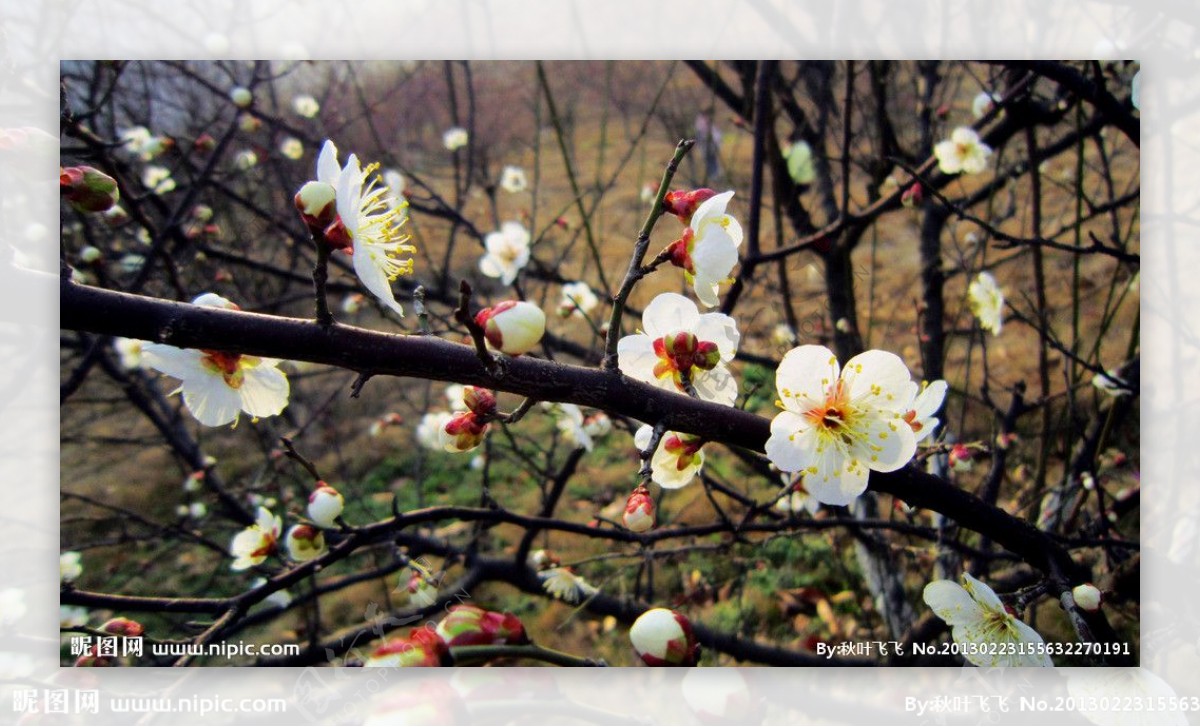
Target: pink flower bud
(88,189)
(304,542)
(513,327)
(961,458)
(639,510)
(325,505)
(1087,597)
(121,626)
(204,143)
(683,203)
(463,432)
(480,401)
(662,637)
(422,647)
(913,195)
(316,202)
(472,626)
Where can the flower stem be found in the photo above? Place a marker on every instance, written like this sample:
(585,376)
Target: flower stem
(636,272)
(464,655)
(320,275)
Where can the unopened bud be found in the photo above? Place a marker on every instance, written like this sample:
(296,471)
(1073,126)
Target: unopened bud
(662,637)
(89,254)
(249,123)
(467,625)
(462,433)
(913,195)
(680,257)
(241,96)
(513,327)
(639,510)
(961,458)
(480,401)
(204,143)
(422,647)
(1087,597)
(316,203)
(88,189)
(304,542)
(325,505)
(683,203)
(121,626)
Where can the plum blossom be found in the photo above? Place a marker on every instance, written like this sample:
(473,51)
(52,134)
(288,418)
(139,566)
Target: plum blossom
(507,252)
(565,585)
(980,622)
(512,180)
(920,415)
(218,385)
(304,542)
(429,426)
(325,505)
(130,352)
(305,105)
(251,546)
(676,461)
(838,424)
(577,300)
(987,302)
(455,138)
(158,179)
(708,249)
(292,148)
(963,152)
(513,327)
(679,345)
(662,637)
(69,566)
(571,423)
(795,497)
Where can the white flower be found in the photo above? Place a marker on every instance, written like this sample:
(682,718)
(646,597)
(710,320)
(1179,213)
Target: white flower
(783,336)
(157,179)
(69,566)
(678,342)
(987,302)
(241,96)
(245,159)
(708,249)
(800,165)
(372,224)
(130,351)
(983,103)
(797,498)
(292,148)
(217,386)
(455,138)
(837,424)
(421,587)
(597,425)
(513,327)
(512,179)
(325,505)
(252,546)
(428,430)
(985,631)
(577,300)
(144,145)
(962,152)
(648,193)
(72,616)
(507,252)
(12,605)
(563,584)
(304,542)
(1110,383)
(305,105)
(920,414)
(281,598)
(570,423)
(677,460)
(455,397)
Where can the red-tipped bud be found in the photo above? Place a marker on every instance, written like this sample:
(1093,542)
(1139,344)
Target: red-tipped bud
(316,203)
(304,542)
(480,400)
(88,189)
(707,356)
(961,458)
(639,510)
(662,637)
(325,505)
(422,647)
(463,432)
(683,203)
(472,626)
(204,143)
(680,255)
(913,195)
(513,327)
(121,626)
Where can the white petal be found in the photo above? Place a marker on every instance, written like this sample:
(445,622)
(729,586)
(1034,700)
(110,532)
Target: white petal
(983,594)
(327,166)
(952,603)
(837,479)
(669,313)
(711,208)
(264,391)
(804,376)
(489,266)
(180,363)
(930,399)
(372,276)
(889,443)
(212,300)
(1027,635)
(707,291)
(722,330)
(717,385)
(635,357)
(665,471)
(879,379)
(790,445)
(211,400)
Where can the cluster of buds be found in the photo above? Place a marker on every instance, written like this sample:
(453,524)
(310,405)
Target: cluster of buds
(422,647)
(473,626)
(325,505)
(464,431)
(639,510)
(513,327)
(88,189)
(683,203)
(662,637)
(680,352)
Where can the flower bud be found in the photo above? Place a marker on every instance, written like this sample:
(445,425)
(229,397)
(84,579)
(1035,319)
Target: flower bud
(89,254)
(249,123)
(316,202)
(325,505)
(683,203)
(88,189)
(913,195)
(678,251)
(662,637)
(961,458)
(472,626)
(92,658)
(639,510)
(304,542)
(480,401)
(1087,597)
(121,626)
(241,96)
(463,432)
(513,327)
(422,592)
(204,143)
(422,647)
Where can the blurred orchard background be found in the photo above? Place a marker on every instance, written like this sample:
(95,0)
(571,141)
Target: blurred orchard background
(856,238)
